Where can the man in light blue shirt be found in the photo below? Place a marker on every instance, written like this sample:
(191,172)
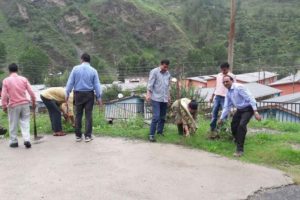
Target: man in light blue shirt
(159,94)
(240,97)
(84,79)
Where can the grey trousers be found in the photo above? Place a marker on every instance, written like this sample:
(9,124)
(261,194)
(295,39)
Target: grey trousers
(19,115)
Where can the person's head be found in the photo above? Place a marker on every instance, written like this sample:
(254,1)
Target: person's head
(225,67)
(164,65)
(227,81)
(193,107)
(85,58)
(12,68)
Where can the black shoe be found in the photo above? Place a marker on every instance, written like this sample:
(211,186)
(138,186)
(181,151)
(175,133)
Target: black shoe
(14,145)
(78,139)
(152,139)
(27,144)
(88,139)
(3,131)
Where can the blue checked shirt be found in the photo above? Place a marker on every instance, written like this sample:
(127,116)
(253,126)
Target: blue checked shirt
(84,77)
(158,85)
(238,96)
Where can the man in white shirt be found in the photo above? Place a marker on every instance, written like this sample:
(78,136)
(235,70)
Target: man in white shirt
(218,98)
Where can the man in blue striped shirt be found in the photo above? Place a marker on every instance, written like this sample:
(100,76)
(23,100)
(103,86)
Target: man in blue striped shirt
(84,79)
(238,96)
(159,94)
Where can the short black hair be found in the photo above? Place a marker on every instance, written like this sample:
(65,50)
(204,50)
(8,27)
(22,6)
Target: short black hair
(13,67)
(86,57)
(193,105)
(165,61)
(228,76)
(225,65)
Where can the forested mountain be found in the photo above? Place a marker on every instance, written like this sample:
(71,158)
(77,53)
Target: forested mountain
(128,37)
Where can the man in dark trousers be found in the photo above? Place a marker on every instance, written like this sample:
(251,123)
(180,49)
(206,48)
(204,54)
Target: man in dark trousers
(238,96)
(159,94)
(85,80)
(54,99)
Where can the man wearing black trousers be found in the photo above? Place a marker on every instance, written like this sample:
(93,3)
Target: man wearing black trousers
(238,96)
(84,79)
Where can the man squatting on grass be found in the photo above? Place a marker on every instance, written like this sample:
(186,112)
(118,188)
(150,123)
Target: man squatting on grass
(184,112)
(240,97)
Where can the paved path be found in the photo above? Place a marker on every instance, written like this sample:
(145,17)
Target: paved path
(114,168)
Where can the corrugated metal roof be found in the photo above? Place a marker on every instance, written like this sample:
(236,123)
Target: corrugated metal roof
(202,79)
(256,89)
(288,79)
(260,90)
(122,100)
(197,78)
(255,76)
(290,98)
(209,77)
(246,77)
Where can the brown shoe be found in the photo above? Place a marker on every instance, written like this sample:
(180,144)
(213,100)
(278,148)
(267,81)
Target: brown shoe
(238,154)
(60,133)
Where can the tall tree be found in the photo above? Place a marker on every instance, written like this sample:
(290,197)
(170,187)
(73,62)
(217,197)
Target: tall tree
(34,64)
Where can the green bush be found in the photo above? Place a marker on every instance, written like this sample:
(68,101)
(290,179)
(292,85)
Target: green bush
(57,80)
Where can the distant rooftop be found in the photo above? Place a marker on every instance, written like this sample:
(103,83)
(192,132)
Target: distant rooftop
(246,77)
(256,89)
(290,98)
(197,78)
(255,76)
(260,90)
(288,79)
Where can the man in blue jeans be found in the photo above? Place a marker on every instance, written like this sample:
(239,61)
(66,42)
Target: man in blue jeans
(218,98)
(159,94)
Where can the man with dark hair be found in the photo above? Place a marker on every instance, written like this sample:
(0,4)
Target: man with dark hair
(184,112)
(240,97)
(14,102)
(85,80)
(86,57)
(159,94)
(218,98)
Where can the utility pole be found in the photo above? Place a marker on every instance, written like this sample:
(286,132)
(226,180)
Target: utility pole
(179,81)
(231,34)
(294,76)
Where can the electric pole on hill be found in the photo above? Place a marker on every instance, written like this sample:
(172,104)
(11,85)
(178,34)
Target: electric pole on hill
(231,34)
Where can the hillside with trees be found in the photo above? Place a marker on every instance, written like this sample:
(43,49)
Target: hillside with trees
(129,37)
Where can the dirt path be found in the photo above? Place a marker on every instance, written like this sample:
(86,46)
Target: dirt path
(114,168)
